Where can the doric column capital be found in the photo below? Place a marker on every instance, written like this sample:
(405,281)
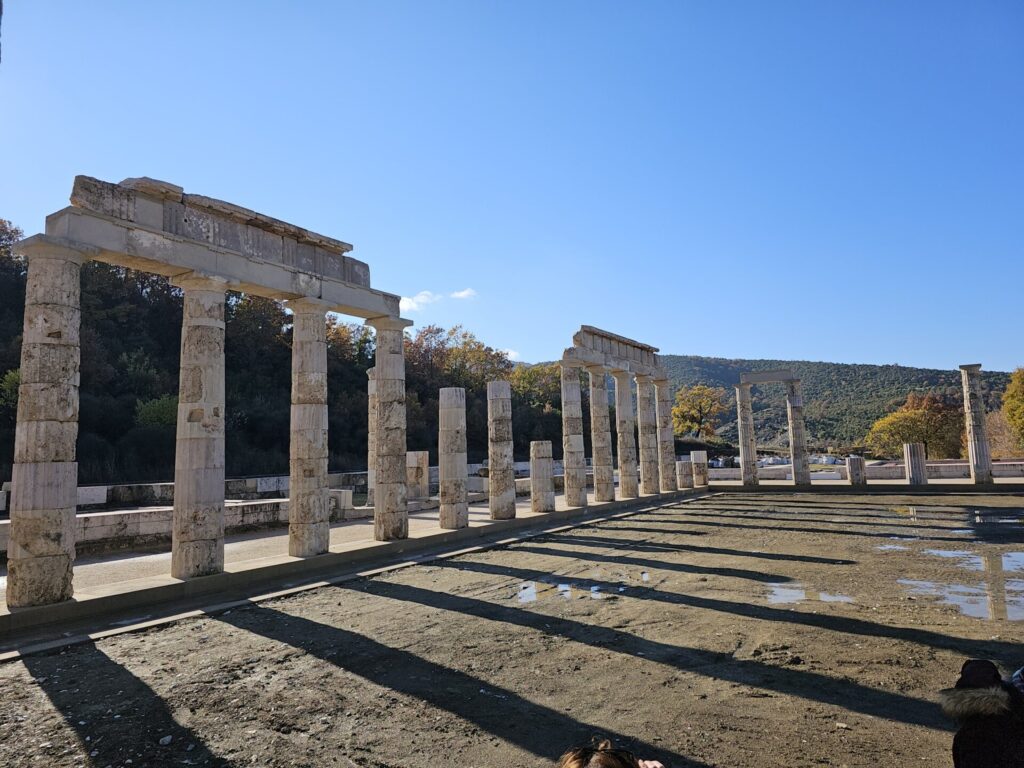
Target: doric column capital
(47,247)
(197,281)
(387,323)
(643,378)
(971,367)
(308,306)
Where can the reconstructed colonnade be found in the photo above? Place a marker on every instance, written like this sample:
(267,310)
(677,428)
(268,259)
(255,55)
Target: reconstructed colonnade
(797,429)
(206,247)
(601,353)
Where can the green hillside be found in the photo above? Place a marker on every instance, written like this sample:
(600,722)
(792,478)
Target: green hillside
(841,400)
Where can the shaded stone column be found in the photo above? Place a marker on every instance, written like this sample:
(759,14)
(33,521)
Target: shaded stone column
(309,511)
(573,457)
(371,435)
(666,436)
(417,474)
(797,434)
(699,459)
(684,474)
(44,489)
(914,460)
(974,423)
(542,483)
(601,435)
(625,426)
(748,440)
(390,495)
(197,536)
(501,475)
(451,457)
(855,470)
(647,423)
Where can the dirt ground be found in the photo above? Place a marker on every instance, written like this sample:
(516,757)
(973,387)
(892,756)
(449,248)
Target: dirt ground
(736,631)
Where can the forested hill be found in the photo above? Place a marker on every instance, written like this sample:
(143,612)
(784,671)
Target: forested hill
(841,400)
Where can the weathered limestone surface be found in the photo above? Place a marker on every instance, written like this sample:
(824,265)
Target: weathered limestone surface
(542,483)
(417,474)
(914,459)
(573,457)
(684,474)
(797,433)
(666,436)
(197,536)
(855,470)
(601,435)
(451,457)
(309,512)
(699,460)
(747,439)
(371,436)
(500,472)
(974,422)
(648,430)
(390,510)
(625,425)
(45,473)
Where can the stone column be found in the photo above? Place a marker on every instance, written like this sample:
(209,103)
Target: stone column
(390,495)
(542,484)
(625,426)
(855,470)
(371,435)
(666,436)
(601,435)
(309,511)
(748,441)
(197,536)
(797,434)
(573,457)
(974,422)
(451,458)
(417,474)
(501,474)
(44,489)
(914,460)
(684,474)
(648,427)
(699,459)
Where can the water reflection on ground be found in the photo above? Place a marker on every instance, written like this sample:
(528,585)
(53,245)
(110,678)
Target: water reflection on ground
(783,594)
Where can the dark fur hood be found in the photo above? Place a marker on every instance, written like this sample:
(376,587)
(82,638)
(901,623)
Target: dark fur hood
(963,703)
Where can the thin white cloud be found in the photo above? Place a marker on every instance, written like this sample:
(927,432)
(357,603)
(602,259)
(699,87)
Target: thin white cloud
(466,293)
(419,301)
(512,354)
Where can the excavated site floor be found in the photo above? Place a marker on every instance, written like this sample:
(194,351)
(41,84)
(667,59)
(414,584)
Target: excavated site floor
(734,631)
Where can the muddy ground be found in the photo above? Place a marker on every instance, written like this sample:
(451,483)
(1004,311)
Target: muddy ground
(736,631)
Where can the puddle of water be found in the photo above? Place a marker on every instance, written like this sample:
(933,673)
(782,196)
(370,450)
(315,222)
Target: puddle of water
(825,597)
(968,560)
(892,547)
(528,592)
(1013,561)
(645,576)
(782,593)
(595,593)
(1015,600)
(565,591)
(962,530)
(905,538)
(972,601)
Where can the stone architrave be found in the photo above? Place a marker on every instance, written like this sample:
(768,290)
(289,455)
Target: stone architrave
(417,472)
(855,470)
(601,435)
(391,506)
(451,458)
(914,460)
(542,484)
(501,474)
(44,486)
(974,422)
(699,460)
(648,428)
(371,435)
(573,457)
(309,510)
(197,536)
(747,439)
(684,474)
(797,433)
(666,435)
(625,425)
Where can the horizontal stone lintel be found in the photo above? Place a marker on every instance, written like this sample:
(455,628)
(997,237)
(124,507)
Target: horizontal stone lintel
(580,357)
(768,377)
(122,243)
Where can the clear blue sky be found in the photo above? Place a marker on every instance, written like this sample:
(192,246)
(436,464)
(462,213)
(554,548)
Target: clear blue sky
(814,180)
